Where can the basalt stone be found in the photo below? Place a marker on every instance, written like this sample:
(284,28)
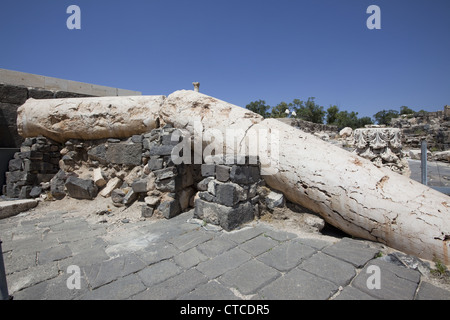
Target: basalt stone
(208,170)
(40,94)
(139,186)
(25,192)
(137,138)
(57,185)
(166,139)
(122,153)
(117,197)
(130,197)
(168,185)
(228,218)
(81,189)
(155,164)
(222,173)
(169,208)
(227,194)
(165,173)
(15,164)
(98,153)
(161,150)
(35,192)
(146,211)
(203,185)
(13,94)
(31,155)
(244,174)
(22,176)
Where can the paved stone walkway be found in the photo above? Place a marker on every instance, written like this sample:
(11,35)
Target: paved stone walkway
(179,259)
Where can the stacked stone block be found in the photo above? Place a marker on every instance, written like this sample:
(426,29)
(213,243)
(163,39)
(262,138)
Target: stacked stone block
(173,192)
(228,193)
(35,164)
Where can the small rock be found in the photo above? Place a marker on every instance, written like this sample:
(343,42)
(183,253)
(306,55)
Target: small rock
(81,189)
(117,196)
(275,200)
(152,201)
(346,132)
(146,211)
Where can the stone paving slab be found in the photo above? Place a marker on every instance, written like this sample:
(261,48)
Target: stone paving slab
(287,255)
(249,277)
(180,259)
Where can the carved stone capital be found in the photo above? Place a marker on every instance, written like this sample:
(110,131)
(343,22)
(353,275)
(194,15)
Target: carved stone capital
(382,146)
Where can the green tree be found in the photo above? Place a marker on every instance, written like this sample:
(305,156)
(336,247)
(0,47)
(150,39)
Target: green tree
(347,119)
(406,110)
(332,113)
(363,121)
(309,110)
(279,111)
(259,107)
(385,116)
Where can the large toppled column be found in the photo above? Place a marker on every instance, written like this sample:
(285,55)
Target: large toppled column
(348,191)
(89,118)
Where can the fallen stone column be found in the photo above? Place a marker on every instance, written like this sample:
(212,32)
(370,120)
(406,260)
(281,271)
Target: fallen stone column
(359,198)
(348,191)
(89,118)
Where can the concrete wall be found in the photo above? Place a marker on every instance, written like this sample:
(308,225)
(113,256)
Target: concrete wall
(53,84)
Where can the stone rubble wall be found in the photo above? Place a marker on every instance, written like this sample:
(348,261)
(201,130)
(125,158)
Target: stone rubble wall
(35,164)
(224,191)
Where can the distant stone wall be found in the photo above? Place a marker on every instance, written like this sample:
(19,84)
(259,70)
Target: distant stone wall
(310,127)
(432,126)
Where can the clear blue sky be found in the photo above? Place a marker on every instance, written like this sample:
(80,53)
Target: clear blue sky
(241,51)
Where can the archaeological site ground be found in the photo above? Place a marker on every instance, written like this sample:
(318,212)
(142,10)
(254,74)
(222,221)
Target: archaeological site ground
(109,194)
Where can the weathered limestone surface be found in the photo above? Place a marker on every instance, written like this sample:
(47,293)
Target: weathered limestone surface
(359,198)
(185,109)
(88,118)
(348,191)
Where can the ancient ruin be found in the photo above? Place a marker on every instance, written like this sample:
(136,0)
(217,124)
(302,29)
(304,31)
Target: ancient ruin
(382,146)
(115,137)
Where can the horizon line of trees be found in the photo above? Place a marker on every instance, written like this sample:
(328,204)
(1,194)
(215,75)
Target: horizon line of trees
(310,111)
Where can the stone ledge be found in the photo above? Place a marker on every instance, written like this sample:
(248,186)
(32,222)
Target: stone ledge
(12,208)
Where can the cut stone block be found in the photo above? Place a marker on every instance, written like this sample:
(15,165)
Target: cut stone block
(112,184)
(81,189)
(12,208)
(122,153)
(208,170)
(227,217)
